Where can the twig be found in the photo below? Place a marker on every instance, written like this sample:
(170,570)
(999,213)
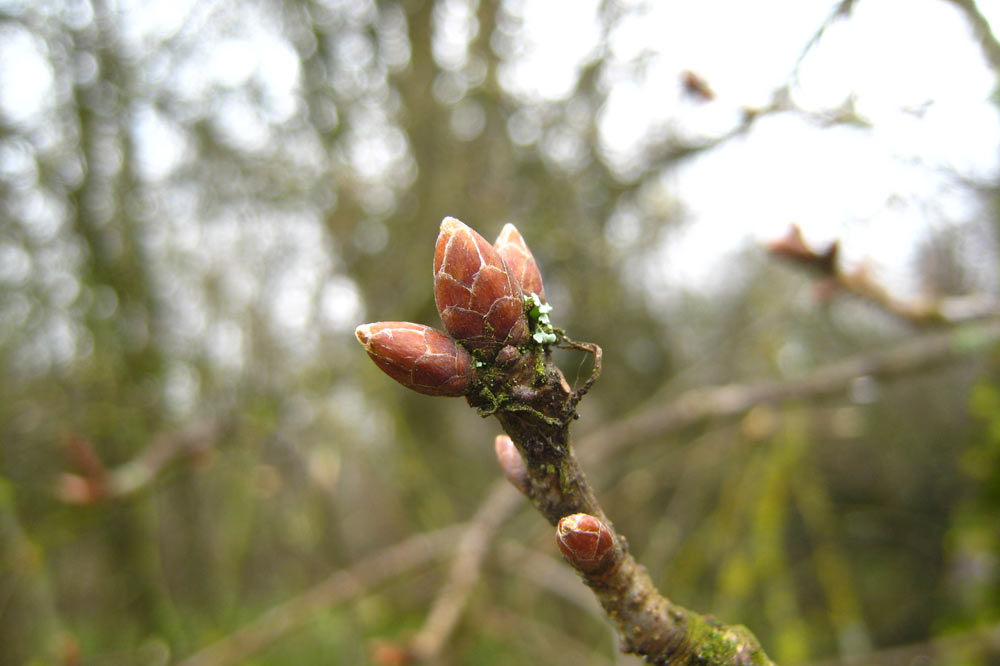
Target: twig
(842,10)
(497,354)
(337,588)
(453,596)
(922,353)
(547,573)
(927,312)
(598,355)
(696,406)
(982,31)
(96,483)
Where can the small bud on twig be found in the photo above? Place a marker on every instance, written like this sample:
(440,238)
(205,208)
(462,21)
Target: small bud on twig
(587,544)
(479,300)
(520,262)
(512,463)
(793,246)
(79,490)
(418,357)
(385,653)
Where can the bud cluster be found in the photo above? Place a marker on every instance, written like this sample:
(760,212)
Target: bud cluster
(480,291)
(479,300)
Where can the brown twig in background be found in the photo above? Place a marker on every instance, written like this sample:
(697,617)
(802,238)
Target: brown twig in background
(548,573)
(980,25)
(338,588)
(452,598)
(860,283)
(696,406)
(96,483)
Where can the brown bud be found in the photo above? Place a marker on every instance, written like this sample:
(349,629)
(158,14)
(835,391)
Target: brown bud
(696,86)
(520,262)
(385,653)
(479,300)
(512,463)
(793,246)
(79,490)
(418,357)
(587,544)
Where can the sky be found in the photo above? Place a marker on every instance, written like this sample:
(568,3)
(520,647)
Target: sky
(920,84)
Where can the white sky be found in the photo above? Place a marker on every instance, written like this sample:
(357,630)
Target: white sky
(911,67)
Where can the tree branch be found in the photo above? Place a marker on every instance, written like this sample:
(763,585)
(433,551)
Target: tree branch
(96,483)
(465,569)
(337,588)
(696,406)
(537,421)
(859,283)
(498,354)
(988,42)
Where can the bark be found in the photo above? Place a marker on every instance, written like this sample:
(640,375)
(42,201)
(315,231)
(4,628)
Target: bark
(534,405)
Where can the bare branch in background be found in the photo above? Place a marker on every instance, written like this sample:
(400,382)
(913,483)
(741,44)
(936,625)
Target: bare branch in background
(96,483)
(859,283)
(988,41)
(464,573)
(338,588)
(698,405)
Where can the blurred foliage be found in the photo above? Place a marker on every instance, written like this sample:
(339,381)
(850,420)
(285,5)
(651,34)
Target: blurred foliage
(206,201)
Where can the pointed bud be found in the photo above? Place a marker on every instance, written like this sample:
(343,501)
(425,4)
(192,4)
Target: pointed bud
(793,246)
(418,357)
(79,490)
(514,251)
(512,463)
(587,544)
(479,301)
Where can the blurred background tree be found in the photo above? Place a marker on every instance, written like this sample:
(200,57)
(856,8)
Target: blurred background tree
(201,200)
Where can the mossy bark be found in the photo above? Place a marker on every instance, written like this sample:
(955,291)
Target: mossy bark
(531,399)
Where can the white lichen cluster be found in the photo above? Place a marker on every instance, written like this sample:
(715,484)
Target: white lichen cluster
(538,316)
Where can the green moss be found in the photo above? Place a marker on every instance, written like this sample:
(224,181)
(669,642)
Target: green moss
(718,645)
(565,479)
(539,369)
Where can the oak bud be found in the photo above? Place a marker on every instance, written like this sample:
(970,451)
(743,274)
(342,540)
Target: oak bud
(479,301)
(418,357)
(520,262)
(511,463)
(587,544)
